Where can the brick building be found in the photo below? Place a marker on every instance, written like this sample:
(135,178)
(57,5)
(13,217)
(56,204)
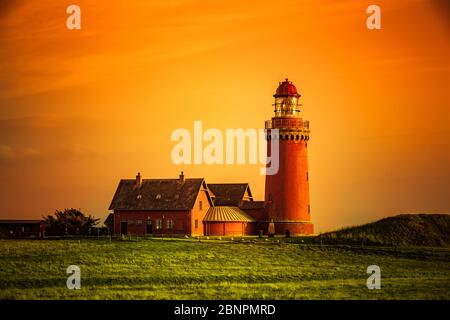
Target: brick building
(21,229)
(193,207)
(180,207)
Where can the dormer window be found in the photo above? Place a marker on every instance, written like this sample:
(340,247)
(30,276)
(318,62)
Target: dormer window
(158,196)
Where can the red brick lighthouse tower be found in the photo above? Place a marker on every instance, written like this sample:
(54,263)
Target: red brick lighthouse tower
(287,191)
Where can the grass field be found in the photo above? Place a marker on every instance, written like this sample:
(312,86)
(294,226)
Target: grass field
(189,269)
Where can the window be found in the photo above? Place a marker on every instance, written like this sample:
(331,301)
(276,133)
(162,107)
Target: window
(309,209)
(158,196)
(139,196)
(170,224)
(158,224)
(200,205)
(139,222)
(196,223)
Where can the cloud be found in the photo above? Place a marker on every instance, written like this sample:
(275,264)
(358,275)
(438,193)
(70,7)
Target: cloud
(9,155)
(42,127)
(40,55)
(27,155)
(7,5)
(443,7)
(46,138)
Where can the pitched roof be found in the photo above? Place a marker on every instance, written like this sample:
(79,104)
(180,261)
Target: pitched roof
(226,214)
(228,194)
(249,205)
(109,219)
(157,194)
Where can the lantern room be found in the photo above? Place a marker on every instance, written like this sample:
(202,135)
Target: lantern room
(287,100)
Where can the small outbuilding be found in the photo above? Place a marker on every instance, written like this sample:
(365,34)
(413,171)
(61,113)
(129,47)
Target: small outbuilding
(228,221)
(21,229)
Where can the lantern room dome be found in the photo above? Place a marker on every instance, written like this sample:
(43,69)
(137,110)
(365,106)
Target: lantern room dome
(286,89)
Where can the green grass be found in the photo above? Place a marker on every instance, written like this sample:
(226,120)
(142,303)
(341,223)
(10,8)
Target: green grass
(188,269)
(400,230)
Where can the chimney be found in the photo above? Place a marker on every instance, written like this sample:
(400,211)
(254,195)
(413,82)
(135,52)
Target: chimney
(138,179)
(182,176)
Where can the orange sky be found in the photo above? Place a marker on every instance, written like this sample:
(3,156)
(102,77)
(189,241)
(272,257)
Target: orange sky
(80,110)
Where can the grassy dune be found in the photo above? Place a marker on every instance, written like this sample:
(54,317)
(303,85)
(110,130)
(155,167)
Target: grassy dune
(214,269)
(401,230)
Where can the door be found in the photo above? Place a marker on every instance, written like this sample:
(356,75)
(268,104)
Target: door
(149,227)
(123,227)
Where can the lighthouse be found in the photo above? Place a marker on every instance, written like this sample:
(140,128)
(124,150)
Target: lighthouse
(287,191)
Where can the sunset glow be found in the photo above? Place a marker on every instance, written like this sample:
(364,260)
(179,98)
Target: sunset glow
(82,109)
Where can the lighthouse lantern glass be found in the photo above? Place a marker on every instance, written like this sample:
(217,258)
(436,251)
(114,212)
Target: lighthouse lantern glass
(287,107)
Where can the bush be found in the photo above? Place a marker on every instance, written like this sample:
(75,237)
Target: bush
(69,222)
